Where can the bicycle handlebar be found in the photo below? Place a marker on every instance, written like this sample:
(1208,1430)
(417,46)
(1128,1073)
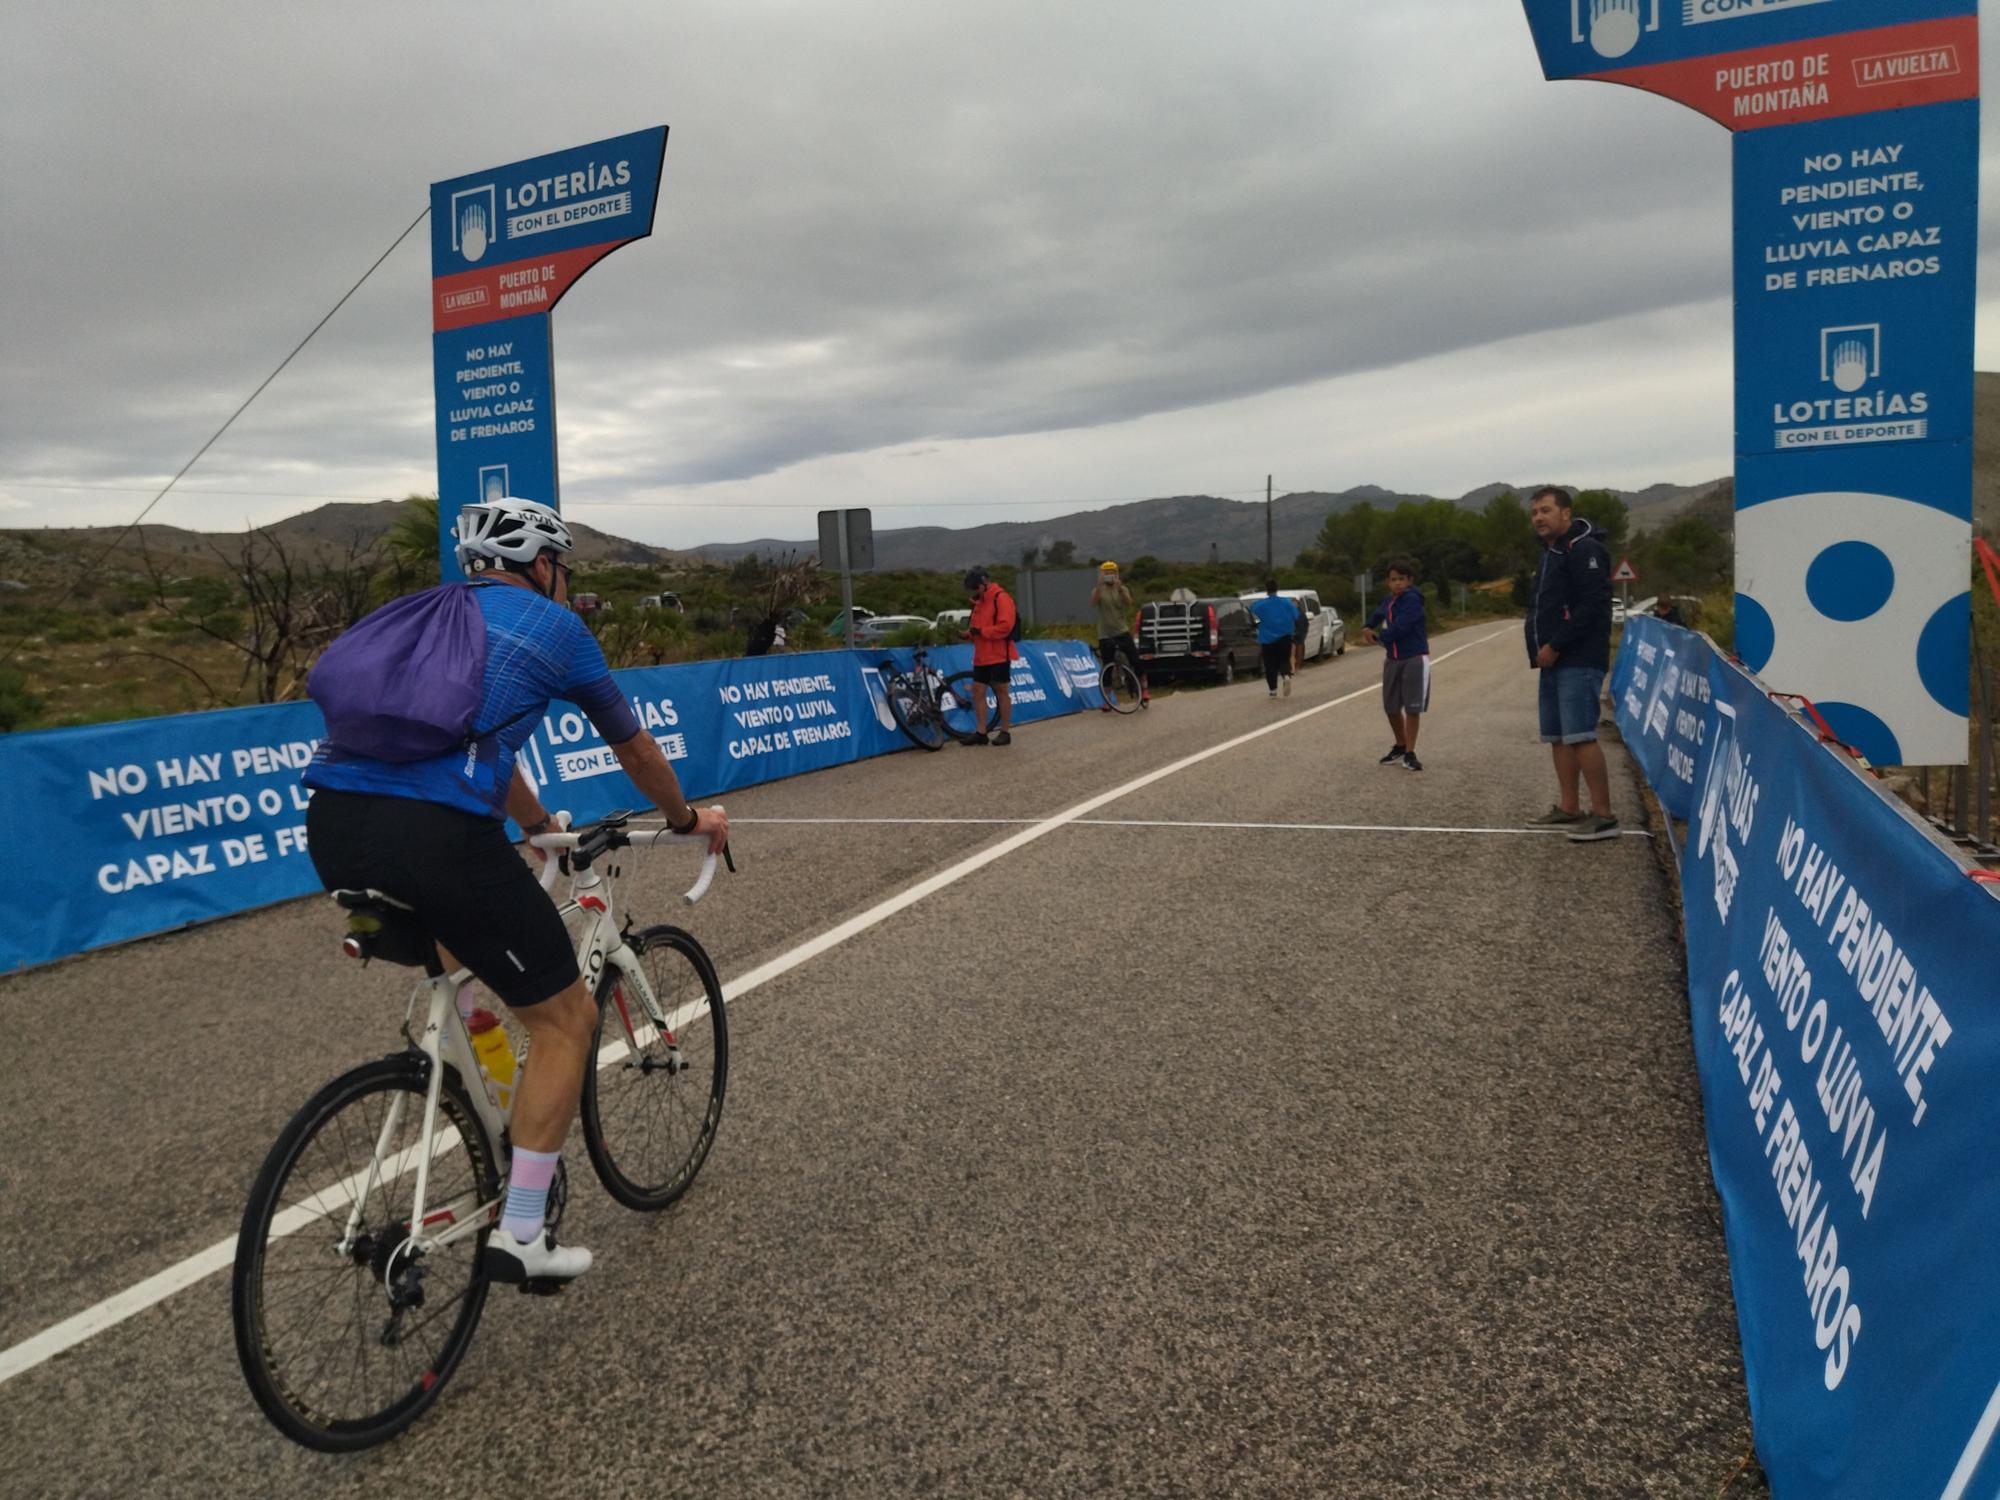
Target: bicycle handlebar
(558,842)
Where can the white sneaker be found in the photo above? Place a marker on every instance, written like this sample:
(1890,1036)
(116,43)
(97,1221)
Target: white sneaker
(507,1260)
(1288,687)
(1272,694)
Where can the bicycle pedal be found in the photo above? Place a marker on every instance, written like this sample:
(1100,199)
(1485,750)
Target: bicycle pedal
(542,1286)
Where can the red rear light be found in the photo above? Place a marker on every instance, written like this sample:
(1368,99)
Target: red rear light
(1214,635)
(351,946)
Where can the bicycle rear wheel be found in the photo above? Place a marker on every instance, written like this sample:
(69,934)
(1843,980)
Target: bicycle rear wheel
(652,1098)
(345,1338)
(915,714)
(1121,687)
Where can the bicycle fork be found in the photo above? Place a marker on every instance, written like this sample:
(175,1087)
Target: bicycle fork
(630,972)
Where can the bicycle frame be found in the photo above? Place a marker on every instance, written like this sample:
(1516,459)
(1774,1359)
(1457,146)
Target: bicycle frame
(446,1041)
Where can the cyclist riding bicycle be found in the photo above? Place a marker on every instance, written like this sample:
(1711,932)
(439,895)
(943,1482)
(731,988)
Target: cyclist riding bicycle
(432,835)
(1114,606)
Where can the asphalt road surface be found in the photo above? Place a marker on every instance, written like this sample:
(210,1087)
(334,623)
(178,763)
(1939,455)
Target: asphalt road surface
(1226,1115)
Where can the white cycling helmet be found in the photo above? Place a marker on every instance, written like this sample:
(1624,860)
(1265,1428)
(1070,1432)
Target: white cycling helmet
(510,530)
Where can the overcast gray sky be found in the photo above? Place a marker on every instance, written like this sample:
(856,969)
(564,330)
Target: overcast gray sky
(960,262)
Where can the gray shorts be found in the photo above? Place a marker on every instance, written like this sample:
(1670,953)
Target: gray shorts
(1406,684)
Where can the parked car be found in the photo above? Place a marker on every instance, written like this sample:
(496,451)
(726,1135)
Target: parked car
(951,624)
(878,628)
(1332,631)
(662,601)
(1325,634)
(588,604)
(1198,638)
(836,628)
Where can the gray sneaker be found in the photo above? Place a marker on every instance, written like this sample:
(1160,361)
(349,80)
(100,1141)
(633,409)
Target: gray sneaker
(1593,827)
(1555,817)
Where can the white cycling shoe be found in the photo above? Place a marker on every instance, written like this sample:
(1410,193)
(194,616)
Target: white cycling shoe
(540,1264)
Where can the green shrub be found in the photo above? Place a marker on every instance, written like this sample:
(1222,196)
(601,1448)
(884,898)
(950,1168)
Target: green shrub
(73,630)
(1716,618)
(18,706)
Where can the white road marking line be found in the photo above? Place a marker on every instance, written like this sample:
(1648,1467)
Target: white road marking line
(1975,1449)
(1630,833)
(43,1346)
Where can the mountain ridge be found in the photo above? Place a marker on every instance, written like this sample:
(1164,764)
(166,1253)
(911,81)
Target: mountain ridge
(1174,528)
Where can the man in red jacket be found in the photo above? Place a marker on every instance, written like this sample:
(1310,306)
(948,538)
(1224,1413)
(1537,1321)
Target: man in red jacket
(993,653)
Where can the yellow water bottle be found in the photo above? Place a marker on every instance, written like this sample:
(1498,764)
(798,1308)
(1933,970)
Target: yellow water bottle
(495,1053)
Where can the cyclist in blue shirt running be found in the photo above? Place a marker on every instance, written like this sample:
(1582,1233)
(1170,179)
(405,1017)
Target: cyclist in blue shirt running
(1277,628)
(432,834)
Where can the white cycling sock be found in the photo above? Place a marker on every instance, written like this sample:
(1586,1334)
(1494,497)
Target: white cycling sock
(528,1193)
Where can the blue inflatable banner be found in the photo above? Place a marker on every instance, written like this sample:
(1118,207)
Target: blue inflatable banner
(1660,692)
(177,820)
(1855,245)
(506,244)
(1842,989)
(1856,236)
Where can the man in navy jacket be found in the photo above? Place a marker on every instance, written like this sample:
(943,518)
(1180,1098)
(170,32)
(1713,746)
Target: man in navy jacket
(1569,640)
(1398,624)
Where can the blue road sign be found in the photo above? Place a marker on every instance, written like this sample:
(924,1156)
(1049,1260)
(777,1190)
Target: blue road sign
(506,244)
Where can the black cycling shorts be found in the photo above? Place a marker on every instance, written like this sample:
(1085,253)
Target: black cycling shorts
(993,673)
(468,886)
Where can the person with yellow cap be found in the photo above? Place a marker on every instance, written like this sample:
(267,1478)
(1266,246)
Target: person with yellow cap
(1115,612)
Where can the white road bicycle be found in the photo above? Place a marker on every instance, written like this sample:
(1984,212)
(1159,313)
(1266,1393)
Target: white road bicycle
(357,1284)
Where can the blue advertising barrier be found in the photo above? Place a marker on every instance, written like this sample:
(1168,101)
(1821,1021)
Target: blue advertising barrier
(1842,986)
(156,823)
(1660,686)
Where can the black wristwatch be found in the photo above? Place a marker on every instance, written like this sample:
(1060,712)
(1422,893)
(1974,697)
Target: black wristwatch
(547,821)
(694,818)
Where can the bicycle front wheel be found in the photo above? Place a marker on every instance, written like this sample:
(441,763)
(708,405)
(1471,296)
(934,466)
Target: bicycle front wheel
(345,1333)
(955,702)
(1121,687)
(915,714)
(652,1095)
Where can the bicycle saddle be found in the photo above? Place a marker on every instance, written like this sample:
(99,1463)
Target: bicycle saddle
(380,926)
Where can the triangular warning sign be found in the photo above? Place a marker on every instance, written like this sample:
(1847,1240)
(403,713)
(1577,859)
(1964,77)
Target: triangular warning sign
(1624,572)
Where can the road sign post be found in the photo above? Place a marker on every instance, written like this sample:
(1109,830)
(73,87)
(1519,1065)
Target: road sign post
(1625,575)
(847,539)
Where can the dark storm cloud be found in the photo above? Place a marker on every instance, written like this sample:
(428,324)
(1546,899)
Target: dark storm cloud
(879,224)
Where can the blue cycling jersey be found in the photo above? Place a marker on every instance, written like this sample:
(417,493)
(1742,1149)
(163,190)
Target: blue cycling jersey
(535,650)
(1277,618)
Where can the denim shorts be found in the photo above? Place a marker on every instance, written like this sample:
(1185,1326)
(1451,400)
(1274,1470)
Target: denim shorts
(1569,704)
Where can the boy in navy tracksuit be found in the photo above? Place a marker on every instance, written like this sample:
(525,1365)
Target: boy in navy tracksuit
(1398,626)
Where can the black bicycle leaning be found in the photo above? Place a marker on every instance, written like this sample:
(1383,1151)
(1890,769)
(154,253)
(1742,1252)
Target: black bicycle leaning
(924,706)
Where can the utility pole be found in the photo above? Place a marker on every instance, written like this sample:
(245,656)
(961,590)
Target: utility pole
(1269,566)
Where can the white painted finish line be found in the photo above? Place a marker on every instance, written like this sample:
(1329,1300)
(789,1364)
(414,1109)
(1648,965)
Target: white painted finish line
(1630,833)
(39,1348)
